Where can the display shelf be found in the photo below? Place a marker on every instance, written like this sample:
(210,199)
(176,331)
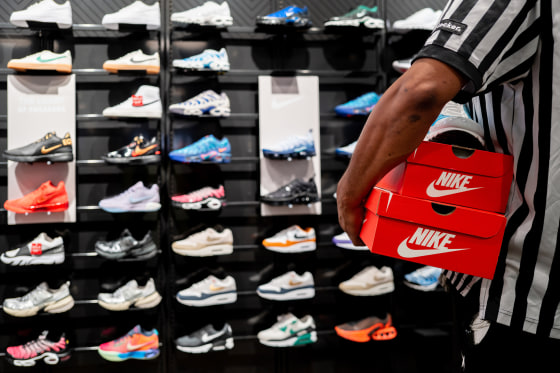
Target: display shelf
(251,30)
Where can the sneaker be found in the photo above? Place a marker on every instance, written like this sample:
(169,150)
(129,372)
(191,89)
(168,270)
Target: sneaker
(296,147)
(42,348)
(206,198)
(424,19)
(289,331)
(455,130)
(289,286)
(44,60)
(296,191)
(136,344)
(136,60)
(46,198)
(41,250)
(346,151)
(361,105)
(362,16)
(292,15)
(209,292)
(343,241)
(130,294)
(49,148)
(138,151)
(293,239)
(137,198)
(369,281)
(41,298)
(208,149)
(42,13)
(206,339)
(209,242)
(207,103)
(137,14)
(145,103)
(207,14)
(401,66)
(208,60)
(365,330)
(424,278)
(127,247)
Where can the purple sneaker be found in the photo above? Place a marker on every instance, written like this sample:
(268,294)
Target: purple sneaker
(343,241)
(137,198)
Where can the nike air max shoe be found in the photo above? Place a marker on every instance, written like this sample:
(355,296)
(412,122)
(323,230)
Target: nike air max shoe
(133,61)
(295,192)
(296,147)
(44,60)
(208,242)
(138,151)
(209,292)
(206,339)
(292,15)
(43,348)
(42,298)
(137,344)
(365,330)
(136,14)
(46,198)
(207,149)
(424,19)
(208,60)
(369,281)
(207,14)
(361,16)
(49,148)
(361,105)
(289,286)
(293,239)
(127,247)
(343,241)
(346,151)
(206,198)
(424,278)
(207,103)
(44,13)
(289,331)
(145,103)
(131,295)
(41,250)
(137,198)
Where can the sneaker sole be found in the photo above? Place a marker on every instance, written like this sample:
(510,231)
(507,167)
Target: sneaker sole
(210,301)
(59,306)
(289,156)
(298,200)
(149,207)
(46,259)
(149,301)
(379,330)
(115,68)
(58,157)
(147,159)
(214,346)
(218,21)
(138,355)
(295,248)
(293,341)
(212,250)
(49,358)
(24,66)
(206,205)
(304,293)
(374,290)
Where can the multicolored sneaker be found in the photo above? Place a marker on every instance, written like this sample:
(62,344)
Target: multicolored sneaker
(296,147)
(206,198)
(49,148)
(137,198)
(42,348)
(292,15)
(136,344)
(138,151)
(46,198)
(289,286)
(343,241)
(424,278)
(293,239)
(208,149)
(209,292)
(207,14)
(361,16)
(41,250)
(289,331)
(208,60)
(361,105)
(207,103)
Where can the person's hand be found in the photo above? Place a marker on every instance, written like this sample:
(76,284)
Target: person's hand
(351,211)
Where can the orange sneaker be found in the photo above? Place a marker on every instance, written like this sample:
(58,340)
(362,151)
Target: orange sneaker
(367,329)
(46,198)
(136,344)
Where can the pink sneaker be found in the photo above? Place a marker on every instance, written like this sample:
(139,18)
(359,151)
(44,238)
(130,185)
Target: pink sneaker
(39,349)
(201,199)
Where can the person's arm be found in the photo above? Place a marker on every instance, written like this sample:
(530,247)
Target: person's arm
(394,128)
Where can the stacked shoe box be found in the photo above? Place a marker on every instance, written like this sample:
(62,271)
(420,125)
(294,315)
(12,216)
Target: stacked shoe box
(444,207)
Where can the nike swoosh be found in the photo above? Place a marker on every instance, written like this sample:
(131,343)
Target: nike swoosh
(48,150)
(282,104)
(149,103)
(295,283)
(407,252)
(434,193)
(140,199)
(140,61)
(139,151)
(216,288)
(40,59)
(300,237)
(206,338)
(131,347)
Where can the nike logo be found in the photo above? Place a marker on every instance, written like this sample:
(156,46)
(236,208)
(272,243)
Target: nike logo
(406,252)
(48,150)
(294,283)
(298,237)
(132,347)
(134,60)
(431,191)
(139,151)
(216,288)
(139,199)
(40,59)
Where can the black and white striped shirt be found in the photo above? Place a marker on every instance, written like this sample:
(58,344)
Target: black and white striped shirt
(510,51)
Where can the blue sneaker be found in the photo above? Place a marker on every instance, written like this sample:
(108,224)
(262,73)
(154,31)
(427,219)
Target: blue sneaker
(297,147)
(207,148)
(424,278)
(290,16)
(359,106)
(208,60)
(346,151)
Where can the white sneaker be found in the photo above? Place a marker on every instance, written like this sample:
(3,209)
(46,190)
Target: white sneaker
(204,104)
(424,19)
(289,331)
(288,286)
(208,60)
(208,242)
(346,151)
(209,292)
(44,11)
(136,13)
(131,294)
(41,250)
(369,281)
(293,239)
(41,298)
(343,241)
(145,103)
(136,60)
(208,14)
(44,60)
(402,66)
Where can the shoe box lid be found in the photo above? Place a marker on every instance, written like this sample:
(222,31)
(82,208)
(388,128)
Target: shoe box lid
(454,175)
(451,237)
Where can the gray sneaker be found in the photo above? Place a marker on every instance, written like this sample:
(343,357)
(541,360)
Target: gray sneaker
(41,298)
(41,250)
(130,294)
(137,198)
(127,247)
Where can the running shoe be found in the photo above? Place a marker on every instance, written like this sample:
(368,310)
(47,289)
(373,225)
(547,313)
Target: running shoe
(208,60)
(361,105)
(145,103)
(42,348)
(136,14)
(293,239)
(207,198)
(292,15)
(289,286)
(206,149)
(296,147)
(346,151)
(209,242)
(289,331)
(135,60)
(206,339)
(127,247)
(424,278)
(207,14)
(46,198)
(131,294)
(42,298)
(207,103)
(41,250)
(44,60)
(361,16)
(455,130)
(343,241)
(423,19)
(138,151)
(296,191)
(365,330)
(137,344)
(137,198)
(402,66)
(44,13)
(369,281)
(49,148)
(209,292)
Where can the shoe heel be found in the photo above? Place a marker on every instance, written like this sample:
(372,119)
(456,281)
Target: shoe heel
(150,301)
(60,306)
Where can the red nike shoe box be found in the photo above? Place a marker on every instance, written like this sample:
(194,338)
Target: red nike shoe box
(454,175)
(457,238)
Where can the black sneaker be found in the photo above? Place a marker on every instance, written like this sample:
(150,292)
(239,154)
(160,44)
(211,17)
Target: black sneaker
(49,148)
(127,247)
(296,192)
(51,352)
(206,339)
(139,151)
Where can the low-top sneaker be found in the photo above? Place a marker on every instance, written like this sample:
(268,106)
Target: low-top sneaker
(44,60)
(206,198)
(46,347)
(47,198)
(207,14)
(293,239)
(365,330)
(136,14)
(42,13)
(289,331)
(369,281)
(207,103)
(206,149)
(361,105)
(41,298)
(41,250)
(292,15)
(423,19)
(289,286)
(297,191)
(145,103)
(138,343)
(127,247)
(206,339)
(343,241)
(209,242)
(138,151)
(424,278)
(296,147)
(137,198)
(49,148)
(361,16)
(209,292)
(135,60)
(131,294)
(208,60)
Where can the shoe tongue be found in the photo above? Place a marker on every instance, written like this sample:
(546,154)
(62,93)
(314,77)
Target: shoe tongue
(126,233)
(138,185)
(135,330)
(285,317)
